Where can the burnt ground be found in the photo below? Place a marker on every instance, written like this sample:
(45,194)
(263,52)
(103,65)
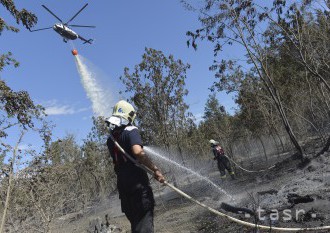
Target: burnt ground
(302,192)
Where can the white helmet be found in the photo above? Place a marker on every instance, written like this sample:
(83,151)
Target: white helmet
(123,114)
(213,142)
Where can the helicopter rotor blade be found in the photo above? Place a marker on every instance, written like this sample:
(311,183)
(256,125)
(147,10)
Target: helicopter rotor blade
(84,26)
(52,13)
(40,29)
(76,14)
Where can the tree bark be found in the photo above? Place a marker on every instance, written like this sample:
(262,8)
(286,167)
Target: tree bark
(325,148)
(264,148)
(10,180)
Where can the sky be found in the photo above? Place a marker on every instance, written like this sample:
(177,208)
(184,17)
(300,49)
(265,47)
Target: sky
(123,30)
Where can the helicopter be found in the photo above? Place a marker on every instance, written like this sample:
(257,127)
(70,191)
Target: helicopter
(64,28)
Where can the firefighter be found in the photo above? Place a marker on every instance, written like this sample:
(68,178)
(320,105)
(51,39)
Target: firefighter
(135,193)
(222,159)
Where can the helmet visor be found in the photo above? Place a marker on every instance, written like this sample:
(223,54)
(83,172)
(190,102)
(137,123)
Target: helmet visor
(117,121)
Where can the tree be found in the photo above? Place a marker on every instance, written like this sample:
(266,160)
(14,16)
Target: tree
(10,180)
(157,88)
(17,110)
(64,151)
(238,22)
(301,29)
(304,26)
(25,17)
(217,122)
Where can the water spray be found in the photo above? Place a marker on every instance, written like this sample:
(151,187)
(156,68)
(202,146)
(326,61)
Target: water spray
(244,223)
(150,151)
(99,95)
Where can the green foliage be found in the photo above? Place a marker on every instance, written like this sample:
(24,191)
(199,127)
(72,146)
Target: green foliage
(213,110)
(6,59)
(286,46)
(64,151)
(23,16)
(215,118)
(18,105)
(99,132)
(157,88)
(17,108)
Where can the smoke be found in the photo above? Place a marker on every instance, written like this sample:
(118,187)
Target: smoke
(98,93)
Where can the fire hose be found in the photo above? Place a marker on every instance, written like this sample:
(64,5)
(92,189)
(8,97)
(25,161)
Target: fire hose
(244,223)
(246,170)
